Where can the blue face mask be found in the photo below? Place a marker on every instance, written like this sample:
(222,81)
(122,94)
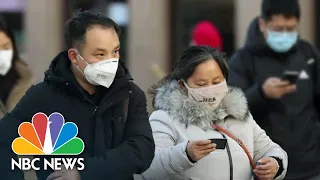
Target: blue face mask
(281,41)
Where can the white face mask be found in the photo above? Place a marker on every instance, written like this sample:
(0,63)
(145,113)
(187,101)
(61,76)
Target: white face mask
(102,72)
(210,96)
(5,61)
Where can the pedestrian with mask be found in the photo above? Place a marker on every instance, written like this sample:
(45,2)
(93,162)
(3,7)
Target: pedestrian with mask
(280,75)
(203,129)
(89,86)
(15,76)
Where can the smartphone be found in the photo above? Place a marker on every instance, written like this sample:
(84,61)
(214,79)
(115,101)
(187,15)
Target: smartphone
(221,143)
(258,164)
(290,76)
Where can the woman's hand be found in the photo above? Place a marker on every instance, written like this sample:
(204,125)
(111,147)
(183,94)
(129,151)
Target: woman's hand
(196,150)
(267,169)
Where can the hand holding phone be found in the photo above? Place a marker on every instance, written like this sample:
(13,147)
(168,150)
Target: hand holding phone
(275,88)
(290,76)
(198,149)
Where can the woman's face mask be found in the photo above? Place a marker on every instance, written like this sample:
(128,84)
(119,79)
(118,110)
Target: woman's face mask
(5,61)
(102,72)
(210,96)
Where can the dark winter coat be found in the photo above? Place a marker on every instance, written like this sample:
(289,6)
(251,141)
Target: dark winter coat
(115,147)
(293,120)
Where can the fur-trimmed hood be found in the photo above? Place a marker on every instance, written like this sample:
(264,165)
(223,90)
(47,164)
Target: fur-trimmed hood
(168,96)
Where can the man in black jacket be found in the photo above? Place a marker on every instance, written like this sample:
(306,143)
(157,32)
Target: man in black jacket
(90,87)
(283,105)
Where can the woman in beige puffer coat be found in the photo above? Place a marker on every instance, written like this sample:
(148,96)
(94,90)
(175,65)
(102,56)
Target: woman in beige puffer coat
(188,104)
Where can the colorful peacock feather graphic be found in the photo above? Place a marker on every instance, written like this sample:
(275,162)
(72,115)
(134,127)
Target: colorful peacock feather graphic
(46,136)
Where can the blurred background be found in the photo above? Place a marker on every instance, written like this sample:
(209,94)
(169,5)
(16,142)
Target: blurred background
(154,32)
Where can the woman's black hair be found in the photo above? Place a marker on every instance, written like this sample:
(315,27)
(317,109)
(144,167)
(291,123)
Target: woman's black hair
(8,81)
(195,55)
(188,62)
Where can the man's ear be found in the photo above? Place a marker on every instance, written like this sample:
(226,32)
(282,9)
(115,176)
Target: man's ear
(262,25)
(72,54)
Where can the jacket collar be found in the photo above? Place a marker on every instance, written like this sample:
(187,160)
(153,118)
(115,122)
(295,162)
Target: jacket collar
(23,70)
(172,99)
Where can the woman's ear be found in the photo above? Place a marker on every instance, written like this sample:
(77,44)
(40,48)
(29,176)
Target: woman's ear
(181,85)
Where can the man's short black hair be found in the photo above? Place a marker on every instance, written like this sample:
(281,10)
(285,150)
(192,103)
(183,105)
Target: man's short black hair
(76,28)
(287,8)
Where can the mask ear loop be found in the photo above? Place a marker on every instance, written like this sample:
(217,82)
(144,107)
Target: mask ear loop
(187,87)
(80,70)
(82,60)
(185,83)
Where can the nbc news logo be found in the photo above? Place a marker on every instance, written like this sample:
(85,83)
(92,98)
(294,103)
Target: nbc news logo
(48,136)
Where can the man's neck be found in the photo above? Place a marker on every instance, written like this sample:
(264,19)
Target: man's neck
(82,81)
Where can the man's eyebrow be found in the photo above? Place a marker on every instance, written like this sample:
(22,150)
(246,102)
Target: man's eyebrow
(117,46)
(100,49)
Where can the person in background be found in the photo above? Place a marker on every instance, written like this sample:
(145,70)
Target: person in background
(207,34)
(280,75)
(15,77)
(90,86)
(204,33)
(193,105)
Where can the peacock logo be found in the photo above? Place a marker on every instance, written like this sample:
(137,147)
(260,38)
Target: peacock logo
(48,136)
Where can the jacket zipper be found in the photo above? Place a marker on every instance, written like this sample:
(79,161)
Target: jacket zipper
(95,110)
(96,107)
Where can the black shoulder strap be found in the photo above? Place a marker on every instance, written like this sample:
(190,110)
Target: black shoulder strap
(126,103)
(125,108)
(120,121)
